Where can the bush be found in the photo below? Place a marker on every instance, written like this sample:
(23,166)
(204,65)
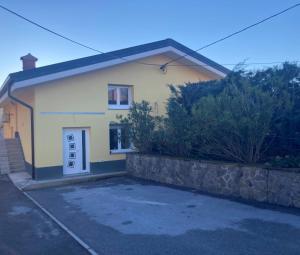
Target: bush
(247,117)
(234,125)
(144,129)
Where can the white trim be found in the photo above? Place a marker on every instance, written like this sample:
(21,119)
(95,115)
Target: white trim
(121,151)
(119,106)
(198,62)
(109,63)
(85,69)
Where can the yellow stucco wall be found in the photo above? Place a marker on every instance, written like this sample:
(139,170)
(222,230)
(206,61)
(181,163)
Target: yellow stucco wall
(88,93)
(19,120)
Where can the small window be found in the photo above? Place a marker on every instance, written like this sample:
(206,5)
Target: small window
(119,97)
(72,155)
(112,96)
(72,146)
(113,138)
(119,139)
(124,98)
(71,163)
(70,138)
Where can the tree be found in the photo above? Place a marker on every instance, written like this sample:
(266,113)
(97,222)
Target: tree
(143,128)
(247,117)
(234,125)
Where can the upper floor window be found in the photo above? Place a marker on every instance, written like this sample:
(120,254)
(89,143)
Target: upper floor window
(119,96)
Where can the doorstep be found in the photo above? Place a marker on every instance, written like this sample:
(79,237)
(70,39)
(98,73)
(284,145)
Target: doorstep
(23,181)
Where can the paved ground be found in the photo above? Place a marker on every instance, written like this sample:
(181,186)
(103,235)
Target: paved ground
(24,229)
(124,216)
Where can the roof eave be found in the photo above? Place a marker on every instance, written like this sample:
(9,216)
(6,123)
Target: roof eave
(148,50)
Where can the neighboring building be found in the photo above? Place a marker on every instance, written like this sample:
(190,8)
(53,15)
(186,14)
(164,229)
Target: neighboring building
(75,103)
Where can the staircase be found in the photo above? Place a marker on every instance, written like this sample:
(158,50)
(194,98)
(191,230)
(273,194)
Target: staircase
(11,156)
(4,164)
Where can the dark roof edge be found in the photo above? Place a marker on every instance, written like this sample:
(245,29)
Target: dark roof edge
(198,56)
(94,59)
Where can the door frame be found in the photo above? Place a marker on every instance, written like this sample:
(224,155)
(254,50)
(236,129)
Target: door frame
(87,150)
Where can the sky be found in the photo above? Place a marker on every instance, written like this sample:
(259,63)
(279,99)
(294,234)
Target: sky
(115,24)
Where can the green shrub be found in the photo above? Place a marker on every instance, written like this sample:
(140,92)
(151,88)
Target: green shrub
(247,117)
(143,128)
(234,125)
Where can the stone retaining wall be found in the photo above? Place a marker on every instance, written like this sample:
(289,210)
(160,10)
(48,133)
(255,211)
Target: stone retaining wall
(247,182)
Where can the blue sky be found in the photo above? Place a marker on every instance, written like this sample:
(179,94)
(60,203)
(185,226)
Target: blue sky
(114,24)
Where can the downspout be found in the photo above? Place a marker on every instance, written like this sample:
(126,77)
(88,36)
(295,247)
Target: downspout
(31,124)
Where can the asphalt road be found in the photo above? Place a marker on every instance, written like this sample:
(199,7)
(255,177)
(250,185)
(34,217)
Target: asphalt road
(128,217)
(26,230)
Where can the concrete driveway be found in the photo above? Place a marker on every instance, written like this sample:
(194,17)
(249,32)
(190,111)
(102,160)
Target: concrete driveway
(124,216)
(26,230)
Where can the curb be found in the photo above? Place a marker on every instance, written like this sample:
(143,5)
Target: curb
(33,185)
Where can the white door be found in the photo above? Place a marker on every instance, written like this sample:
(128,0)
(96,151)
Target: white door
(76,150)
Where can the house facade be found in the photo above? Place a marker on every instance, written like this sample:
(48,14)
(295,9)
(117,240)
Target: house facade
(75,103)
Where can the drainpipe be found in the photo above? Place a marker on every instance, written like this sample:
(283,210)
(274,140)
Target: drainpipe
(31,124)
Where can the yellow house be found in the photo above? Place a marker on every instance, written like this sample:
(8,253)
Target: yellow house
(64,113)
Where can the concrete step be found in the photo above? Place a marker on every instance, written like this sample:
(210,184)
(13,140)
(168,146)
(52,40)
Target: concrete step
(11,141)
(16,163)
(13,152)
(16,159)
(14,170)
(15,156)
(12,148)
(23,180)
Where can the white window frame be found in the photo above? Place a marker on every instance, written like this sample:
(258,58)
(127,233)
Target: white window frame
(118,106)
(119,133)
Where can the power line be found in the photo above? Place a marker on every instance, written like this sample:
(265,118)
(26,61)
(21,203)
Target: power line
(65,37)
(152,64)
(241,63)
(235,33)
(49,30)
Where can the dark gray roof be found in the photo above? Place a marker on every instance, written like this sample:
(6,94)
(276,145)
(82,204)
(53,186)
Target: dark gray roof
(123,53)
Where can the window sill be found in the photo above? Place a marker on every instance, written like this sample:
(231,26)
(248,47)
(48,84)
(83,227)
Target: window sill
(121,151)
(119,107)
